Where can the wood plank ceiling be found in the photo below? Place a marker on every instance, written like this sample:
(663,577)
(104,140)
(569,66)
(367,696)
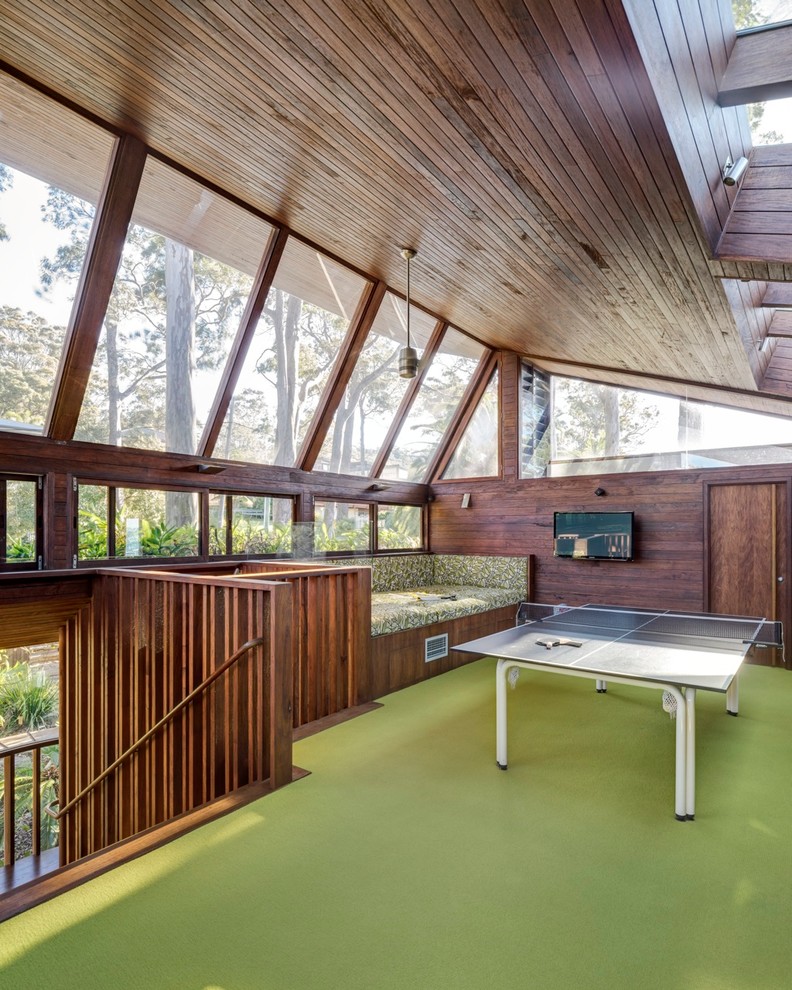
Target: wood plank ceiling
(522,147)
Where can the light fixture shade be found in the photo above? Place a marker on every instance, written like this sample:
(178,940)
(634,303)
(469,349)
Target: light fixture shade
(408,362)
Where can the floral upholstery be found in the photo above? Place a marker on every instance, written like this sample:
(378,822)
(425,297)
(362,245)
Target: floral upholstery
(482,572)
(392,611)
(477,583)
(402,572)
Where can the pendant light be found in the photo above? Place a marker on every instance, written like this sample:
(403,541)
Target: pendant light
(408,356)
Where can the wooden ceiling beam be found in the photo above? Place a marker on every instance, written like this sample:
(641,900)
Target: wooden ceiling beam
(780,325)
(407,400)
(339,378)
(776,295)
(105,246)
(247,328)
(463,414)
(759,67)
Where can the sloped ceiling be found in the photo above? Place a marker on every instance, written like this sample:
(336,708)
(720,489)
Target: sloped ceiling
(524,149)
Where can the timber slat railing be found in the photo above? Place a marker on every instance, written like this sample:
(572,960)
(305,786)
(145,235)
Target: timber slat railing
(10,748)
(147,644)
(196,692)
(331,619)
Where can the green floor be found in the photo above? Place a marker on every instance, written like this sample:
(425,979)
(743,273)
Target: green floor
(407,859)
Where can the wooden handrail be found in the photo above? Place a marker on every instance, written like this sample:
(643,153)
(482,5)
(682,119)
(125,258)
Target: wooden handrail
(249,645)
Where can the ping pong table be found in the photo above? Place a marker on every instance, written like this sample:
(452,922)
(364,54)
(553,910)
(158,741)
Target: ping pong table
(678,653)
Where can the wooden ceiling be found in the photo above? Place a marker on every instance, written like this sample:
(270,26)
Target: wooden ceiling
(531,150)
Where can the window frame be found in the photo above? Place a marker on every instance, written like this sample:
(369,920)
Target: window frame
(229,497)
(37,563)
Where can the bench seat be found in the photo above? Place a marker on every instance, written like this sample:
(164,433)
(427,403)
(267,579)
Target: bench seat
(393,611)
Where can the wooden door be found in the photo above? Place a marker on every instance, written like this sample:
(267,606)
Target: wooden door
(747,538)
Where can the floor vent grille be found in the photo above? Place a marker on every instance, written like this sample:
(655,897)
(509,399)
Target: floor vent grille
(435,647)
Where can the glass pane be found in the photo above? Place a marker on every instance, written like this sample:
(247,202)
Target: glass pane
(399,526)
(341,526)
(185,276)
(156,524)
(756,13)
(476,455)
(218,524)
(601,428)
(374,391)
(445,383)
(92,527)
(770,122)
(29,702)
(52,166)
(259,524)
(290,359)
(535,431)
(21,520)
(28,690)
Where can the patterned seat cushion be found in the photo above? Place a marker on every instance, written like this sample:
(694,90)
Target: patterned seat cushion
(392,611)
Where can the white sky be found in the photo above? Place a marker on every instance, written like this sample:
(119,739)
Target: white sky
(29,240)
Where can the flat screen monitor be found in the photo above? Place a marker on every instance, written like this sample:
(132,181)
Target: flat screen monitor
(593,535)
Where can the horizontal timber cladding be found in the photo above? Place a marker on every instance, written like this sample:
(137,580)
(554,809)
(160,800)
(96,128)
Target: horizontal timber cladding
(35,606)
(147,642)
(397,659)
(670,539)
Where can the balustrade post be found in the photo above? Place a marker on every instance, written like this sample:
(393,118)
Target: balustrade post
(9,808)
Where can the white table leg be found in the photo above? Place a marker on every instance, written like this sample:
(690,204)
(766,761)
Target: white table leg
(733,696)
(501,730)
(680,788)
(690,762)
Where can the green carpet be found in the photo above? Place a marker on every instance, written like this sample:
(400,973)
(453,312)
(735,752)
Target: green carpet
(407,859)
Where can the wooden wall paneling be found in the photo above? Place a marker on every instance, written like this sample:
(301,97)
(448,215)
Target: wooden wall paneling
(123,466)
(664,47)
(671,566)
(106,243)
(627,89)
(238,352)
(397,659)
(518,519)
(509,398)
(758,68)
(343,369)
(759,226)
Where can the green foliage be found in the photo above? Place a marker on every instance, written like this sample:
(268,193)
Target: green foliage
(249,537)
(31,351)
(28,700)
(747,14)
(157,539)
(24,794)
(399,527)
(91,536)
(341,535)
(21,547)
(400,536)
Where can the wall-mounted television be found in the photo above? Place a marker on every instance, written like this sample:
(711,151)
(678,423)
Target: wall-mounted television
(593,535)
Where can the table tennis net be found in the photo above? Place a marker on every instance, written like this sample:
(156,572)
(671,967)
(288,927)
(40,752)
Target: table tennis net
(620,619)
